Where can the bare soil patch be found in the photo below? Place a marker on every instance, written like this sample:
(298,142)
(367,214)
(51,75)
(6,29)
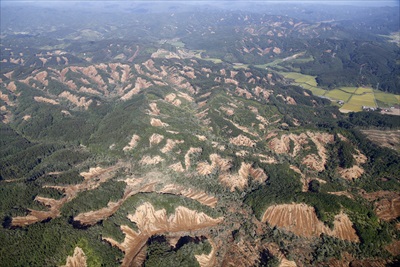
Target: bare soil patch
(151,222)
(147,160)
(192,150)
(242,253)
(390,139)
(154,109)
(177,167)
(169,146)
(349,260)
(157,123)
(342,193)
(282,145)
(208,260)
(197,195)
(78,101)
(45,100)
(133,187)
(242,140)
(139,85)
(76,260)
(284,262)
(132,144)
(155,139)
(302,220)
(387,204)
(93,179)
(351,173)
(394,248)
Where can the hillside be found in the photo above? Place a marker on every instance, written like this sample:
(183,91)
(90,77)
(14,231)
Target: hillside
(168,137)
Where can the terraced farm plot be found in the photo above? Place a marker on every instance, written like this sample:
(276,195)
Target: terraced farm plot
(354,97)
(315,90)
(197,54)
(363,100)
(300,78)
(357,101)
(240,66)
(214,60)
(386,98)
(347,107)
(349,90)
(338,94)
(364,90)
(364,96)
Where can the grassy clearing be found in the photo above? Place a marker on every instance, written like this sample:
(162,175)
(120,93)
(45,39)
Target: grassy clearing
(301,78)
(197,54)
(305,81)
(214,60)
(175,42)
(303,60)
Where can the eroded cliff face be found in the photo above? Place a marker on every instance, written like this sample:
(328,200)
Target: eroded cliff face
(302,220)
(92,179)
(150,222)
(78,259)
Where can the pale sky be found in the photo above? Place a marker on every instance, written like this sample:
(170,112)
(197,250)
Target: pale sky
(339,2)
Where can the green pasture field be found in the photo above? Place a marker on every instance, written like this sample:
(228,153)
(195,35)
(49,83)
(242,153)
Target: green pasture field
(214,60)
(197,54)
(315,90)
(386,98)
(363,100)
(354,97)
(364,90)
(300,78)
(338,94)
(242,66)
(349,90)
(351,107)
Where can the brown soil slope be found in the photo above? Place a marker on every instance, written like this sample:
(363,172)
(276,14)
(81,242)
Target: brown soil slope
(207,260)
(200,196)
(133,187)
(302,220)
(390,139)
(151,222)
(93,179)
(388,205)
(77,260)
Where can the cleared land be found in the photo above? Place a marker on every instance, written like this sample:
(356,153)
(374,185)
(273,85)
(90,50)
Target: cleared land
(353,97)
(386,99)
(390,139)
(338,94)
(302,220)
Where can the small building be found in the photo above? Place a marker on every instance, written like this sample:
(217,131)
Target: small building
(365,108)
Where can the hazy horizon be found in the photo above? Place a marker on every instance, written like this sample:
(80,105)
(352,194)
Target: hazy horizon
(328,2)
